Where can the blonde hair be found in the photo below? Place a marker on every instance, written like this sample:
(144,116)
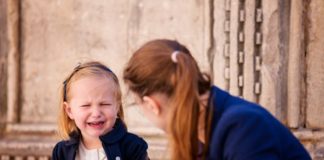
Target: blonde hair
(65,124)
(152,69)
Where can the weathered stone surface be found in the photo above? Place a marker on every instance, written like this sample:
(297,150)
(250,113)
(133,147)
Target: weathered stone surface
(249,51)
(188,24)
(296,63)
(274,57)
(3,63)
(56,35)
(318,153)
(315,65)
(233,66)
(13,88)
(220,31)
(59,34)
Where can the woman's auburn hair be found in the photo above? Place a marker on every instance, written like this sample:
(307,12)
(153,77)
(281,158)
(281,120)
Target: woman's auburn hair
(66,126)
(151,70)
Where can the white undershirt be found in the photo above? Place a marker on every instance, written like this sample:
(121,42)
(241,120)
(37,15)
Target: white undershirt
(90,154)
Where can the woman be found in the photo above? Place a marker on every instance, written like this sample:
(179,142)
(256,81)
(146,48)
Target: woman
(201,120)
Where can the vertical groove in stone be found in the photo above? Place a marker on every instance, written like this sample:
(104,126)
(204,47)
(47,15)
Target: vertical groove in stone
(241,46)
(227,45)
(257,50)
(211,49)
(295,64)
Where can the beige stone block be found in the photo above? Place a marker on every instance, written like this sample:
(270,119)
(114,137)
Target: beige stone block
(5,157)
(3,62)
(166,19)
(304,135)
(221,24)
(309,146)
(188,24)
(249,50)
(296,63)
(274,52)
(13,89)
(59,34)
(318,152)
(315,66)
(235,36)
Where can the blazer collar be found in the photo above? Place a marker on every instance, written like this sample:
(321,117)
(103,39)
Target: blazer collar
(119,130)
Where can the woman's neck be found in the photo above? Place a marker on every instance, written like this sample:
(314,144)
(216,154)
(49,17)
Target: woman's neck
(202,114)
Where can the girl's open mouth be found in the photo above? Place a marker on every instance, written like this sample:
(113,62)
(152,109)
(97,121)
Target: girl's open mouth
(96,124)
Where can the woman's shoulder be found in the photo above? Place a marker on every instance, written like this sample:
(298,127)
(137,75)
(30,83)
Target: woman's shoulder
(248,114)
(233,108)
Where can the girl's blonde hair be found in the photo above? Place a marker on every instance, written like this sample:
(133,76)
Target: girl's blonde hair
(152,69)
(93,68)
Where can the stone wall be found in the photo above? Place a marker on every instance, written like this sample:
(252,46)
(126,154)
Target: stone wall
(269,52)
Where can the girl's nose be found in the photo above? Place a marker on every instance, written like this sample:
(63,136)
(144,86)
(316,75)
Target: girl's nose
(96,111)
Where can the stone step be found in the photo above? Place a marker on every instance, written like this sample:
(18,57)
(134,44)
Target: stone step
(42,147)
(36,141)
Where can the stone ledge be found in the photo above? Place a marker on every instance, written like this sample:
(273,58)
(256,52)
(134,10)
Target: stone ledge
(51,129)
(31,128)
(36,141)
(42,148)
(26,147)
(305,135)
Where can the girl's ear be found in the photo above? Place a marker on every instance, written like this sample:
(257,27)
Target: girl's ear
(152,105)
(67,109)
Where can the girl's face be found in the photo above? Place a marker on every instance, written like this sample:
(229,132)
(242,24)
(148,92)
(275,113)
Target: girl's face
(93,105)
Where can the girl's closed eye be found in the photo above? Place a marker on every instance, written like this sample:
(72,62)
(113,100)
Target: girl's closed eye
(105,104)
(85,105)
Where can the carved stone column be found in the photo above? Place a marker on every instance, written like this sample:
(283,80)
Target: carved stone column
(3,64)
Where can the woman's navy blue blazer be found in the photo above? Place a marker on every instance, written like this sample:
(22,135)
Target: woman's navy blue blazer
(242,130)
(118,144)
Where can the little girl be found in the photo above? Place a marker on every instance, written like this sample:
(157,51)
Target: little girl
(91,118)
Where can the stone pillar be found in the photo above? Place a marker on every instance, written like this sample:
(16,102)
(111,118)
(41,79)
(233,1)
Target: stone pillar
(3,63)
(14,69)
(315,65)
(251,39)
(296,65)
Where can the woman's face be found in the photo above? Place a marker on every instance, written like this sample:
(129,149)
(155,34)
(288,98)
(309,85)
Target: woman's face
(154,108)
(93,105)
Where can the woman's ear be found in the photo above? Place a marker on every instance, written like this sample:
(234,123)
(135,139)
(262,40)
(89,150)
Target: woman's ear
(152,105)
(67,109)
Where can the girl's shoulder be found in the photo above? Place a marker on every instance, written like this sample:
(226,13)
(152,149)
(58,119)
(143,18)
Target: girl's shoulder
(131,139)
(63,149)
(133,146)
